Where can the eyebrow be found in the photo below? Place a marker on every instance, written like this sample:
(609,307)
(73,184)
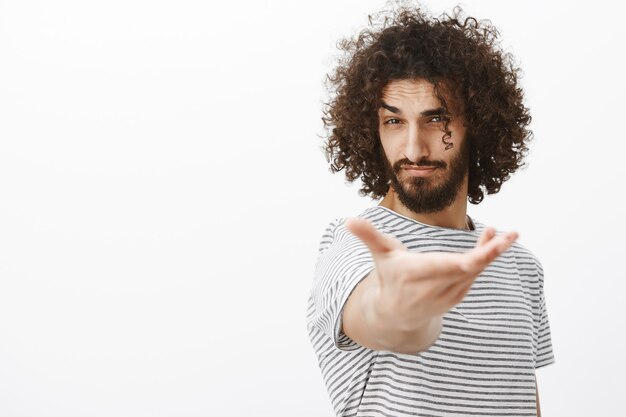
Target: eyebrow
(390,108)
(425,113)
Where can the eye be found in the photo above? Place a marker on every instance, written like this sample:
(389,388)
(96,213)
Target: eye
(440,118)
(392,122)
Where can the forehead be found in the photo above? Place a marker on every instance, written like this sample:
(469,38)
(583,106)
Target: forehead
(417,94)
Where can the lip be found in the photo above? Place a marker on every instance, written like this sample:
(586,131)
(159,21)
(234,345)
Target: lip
(419,171)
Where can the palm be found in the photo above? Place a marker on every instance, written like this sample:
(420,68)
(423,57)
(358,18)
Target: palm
(425,285)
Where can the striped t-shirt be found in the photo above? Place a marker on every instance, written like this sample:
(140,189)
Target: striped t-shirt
(482,364)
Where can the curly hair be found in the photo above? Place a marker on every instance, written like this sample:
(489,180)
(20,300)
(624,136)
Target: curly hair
(457,54)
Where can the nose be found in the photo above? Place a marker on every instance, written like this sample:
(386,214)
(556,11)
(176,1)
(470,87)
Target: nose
(416,146)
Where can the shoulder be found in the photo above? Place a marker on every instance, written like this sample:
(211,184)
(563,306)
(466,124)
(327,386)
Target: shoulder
(528,264)
(523,254)
(336,231)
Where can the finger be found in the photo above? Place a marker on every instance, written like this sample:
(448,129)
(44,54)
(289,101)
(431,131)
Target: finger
(376,241)
(486,236)
(481,256)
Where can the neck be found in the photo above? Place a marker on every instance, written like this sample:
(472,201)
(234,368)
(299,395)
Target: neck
(454,216)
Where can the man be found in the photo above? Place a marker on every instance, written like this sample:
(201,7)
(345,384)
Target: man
(416,309)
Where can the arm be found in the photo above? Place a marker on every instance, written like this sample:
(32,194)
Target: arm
(399,306)
(537,391)
(367,325)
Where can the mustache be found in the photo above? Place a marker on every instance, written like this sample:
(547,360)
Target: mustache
(422,162)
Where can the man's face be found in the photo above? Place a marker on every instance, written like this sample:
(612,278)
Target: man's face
(425,176)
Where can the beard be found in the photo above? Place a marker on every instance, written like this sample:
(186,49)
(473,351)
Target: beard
(432,193)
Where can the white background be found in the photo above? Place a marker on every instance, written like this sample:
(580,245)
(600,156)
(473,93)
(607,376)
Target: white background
(163,192)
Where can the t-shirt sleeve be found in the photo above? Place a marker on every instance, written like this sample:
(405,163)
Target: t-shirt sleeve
(342,263)
(543,353)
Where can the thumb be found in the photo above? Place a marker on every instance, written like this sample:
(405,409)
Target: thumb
(376,242)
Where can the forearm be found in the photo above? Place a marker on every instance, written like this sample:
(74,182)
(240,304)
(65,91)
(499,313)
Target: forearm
(537,394)
(379,324)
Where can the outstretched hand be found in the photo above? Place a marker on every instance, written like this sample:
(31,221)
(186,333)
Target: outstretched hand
(421,286)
